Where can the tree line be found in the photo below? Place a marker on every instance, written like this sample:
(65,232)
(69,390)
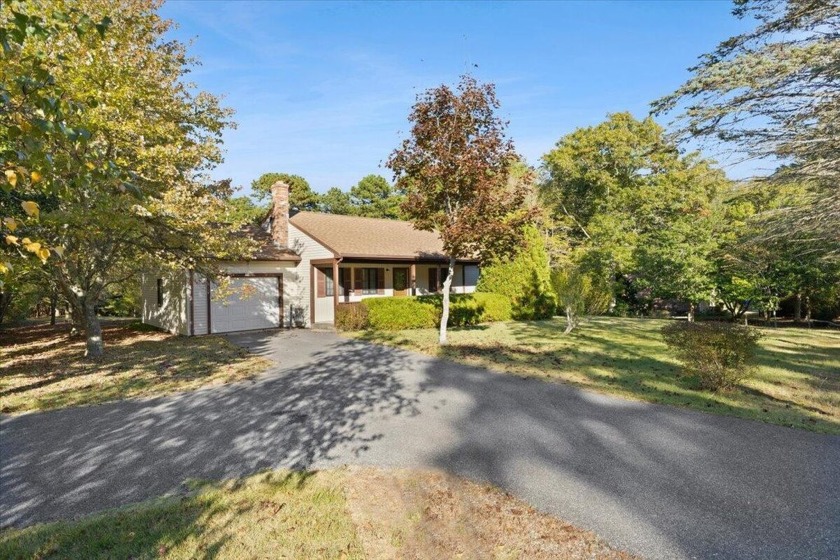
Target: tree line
(372,197)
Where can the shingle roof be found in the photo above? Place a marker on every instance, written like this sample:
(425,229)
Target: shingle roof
(354,236)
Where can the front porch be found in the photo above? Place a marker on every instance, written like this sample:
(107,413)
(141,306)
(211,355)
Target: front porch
(336,281)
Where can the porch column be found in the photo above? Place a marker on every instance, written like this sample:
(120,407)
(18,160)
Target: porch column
(335,287)
(413,274)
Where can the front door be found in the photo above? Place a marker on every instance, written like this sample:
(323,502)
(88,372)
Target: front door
(400,281)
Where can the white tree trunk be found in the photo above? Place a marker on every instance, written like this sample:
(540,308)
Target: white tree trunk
(571,320)
(447,284)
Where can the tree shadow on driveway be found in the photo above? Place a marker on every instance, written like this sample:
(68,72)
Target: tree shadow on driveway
(76,461)
(652,479)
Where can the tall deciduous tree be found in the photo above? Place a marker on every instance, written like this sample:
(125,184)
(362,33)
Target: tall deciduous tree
(774,92)
(157,132)
(454,169)
(301,195)
(629,198)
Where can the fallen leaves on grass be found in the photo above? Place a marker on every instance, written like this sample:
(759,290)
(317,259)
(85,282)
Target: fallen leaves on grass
(41,368)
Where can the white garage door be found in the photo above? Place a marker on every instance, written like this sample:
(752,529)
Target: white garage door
(253,304)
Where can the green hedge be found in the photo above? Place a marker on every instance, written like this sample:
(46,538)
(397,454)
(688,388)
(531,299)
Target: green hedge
(397,313)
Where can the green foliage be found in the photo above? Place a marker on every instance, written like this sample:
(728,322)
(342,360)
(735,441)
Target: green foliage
(336,201)
(721,355)
(128,187)
(634,206)
(241,209)
(676,262)
(525,279)
(394,314)
(45,133)
(301,195)
(772,93)
(375,197)
(472,309)
(351,317)
(579,293)
(399,313)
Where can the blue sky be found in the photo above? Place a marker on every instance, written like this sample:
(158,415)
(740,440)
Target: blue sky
(323,90)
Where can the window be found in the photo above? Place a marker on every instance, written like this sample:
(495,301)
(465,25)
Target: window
(437,276)
(160,292)
(326,284)
(329,284)
(370,280)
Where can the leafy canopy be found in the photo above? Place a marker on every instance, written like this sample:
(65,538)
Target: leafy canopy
(375,197)
(632,204)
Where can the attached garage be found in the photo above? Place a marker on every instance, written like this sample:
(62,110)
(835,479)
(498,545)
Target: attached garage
(253,303)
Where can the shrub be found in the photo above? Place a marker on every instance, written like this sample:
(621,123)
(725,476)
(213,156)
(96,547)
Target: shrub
(351,317)
(495,307)
(720,354)
(393,314)
(471,309)
(523,279)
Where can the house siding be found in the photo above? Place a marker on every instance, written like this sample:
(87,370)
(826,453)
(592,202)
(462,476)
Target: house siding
(200,324)
(172,315)
(299,296)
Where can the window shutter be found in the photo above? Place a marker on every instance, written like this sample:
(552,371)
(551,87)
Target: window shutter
(321,280)
(357,281)
(344,281)
(380,281)
(433,284)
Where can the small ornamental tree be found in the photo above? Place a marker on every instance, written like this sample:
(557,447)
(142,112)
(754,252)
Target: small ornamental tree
(454,170)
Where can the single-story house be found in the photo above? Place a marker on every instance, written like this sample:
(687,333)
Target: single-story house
(308,264)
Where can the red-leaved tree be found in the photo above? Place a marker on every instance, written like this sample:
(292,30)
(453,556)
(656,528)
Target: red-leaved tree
(454,168)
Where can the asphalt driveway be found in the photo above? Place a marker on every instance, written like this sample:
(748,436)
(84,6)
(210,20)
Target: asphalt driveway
(655,480)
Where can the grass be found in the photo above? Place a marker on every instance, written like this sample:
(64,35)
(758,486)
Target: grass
(278,515)
(797,383)
(42,369)
(346,513)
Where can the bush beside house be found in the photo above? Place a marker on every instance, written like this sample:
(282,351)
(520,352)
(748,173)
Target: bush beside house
(524,279)
(391,314)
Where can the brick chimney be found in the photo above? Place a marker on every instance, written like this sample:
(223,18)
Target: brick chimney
(280,213)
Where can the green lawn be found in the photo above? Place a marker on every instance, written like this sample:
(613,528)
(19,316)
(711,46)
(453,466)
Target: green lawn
(797,383)
(348,513)
(291,515)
